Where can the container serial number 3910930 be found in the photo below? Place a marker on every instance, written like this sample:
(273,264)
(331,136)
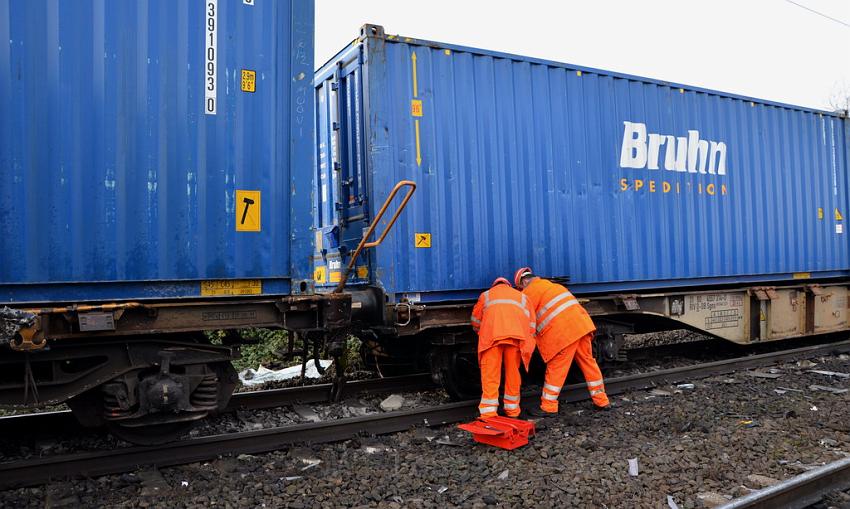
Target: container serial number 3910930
(210,38)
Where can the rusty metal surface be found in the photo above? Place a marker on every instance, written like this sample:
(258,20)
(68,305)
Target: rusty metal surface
(742,315)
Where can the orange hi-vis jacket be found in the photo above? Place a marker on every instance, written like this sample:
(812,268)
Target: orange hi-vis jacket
(504,314)
(561,320)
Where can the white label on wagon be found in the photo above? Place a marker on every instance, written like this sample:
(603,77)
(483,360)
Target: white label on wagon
(210,67)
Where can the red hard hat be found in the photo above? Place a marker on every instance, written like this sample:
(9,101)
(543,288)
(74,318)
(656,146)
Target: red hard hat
(500,281)
(521,273)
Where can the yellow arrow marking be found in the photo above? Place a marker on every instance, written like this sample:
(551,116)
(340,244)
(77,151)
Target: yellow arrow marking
(418,147)
(415,84)
(416,108)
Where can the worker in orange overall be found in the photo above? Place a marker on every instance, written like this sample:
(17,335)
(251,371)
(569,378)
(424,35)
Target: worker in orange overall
(564,332)
(504,321)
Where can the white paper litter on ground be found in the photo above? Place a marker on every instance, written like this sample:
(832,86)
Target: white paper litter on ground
(262,375)
(633,467)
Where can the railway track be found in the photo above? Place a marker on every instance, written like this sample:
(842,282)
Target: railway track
(37,471)
(798,492)
(49,422)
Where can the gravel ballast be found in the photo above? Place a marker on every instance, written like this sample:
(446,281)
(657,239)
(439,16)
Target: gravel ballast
(700,446)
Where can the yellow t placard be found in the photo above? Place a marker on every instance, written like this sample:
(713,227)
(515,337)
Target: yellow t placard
(247,211)
(422,240)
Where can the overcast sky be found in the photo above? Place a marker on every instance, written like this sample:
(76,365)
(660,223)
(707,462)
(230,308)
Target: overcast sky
(769,49)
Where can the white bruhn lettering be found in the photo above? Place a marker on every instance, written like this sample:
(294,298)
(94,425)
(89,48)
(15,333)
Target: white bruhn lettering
(690,154)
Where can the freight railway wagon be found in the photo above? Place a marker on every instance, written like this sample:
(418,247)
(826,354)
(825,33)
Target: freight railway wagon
(663,205)
(155,179)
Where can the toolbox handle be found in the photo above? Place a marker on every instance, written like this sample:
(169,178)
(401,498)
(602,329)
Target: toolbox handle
(363,242)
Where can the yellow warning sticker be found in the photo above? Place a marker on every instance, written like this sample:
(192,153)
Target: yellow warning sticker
(362,272)
(416,108)
(247,211)
(802,275)
(249,81)
(820,212)
(336,276)
(320,275)
(422,240)
(838,216)
(231,287)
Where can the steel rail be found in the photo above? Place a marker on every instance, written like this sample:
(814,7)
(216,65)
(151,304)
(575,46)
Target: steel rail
(50,422)
(31,472)
(798,492)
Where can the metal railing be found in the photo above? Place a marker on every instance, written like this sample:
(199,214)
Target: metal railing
(364,244)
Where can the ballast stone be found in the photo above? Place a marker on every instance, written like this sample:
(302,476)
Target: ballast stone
(392,403)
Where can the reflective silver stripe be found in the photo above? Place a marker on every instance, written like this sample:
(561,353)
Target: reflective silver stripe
(561,308)
(486,298)
(510,398)
(487,409)
(508,301)
(475,320)
(550,397)
(551,388)
(489,401)
(511,406)
(534,325)
(552,302)
(524,300)
(597,391)
(595,384)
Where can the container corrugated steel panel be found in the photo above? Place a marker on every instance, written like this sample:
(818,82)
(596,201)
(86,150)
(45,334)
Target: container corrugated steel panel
(113,176)
(522,162)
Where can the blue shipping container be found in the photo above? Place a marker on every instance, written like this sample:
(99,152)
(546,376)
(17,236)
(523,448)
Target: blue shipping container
(148,147)
(617,182)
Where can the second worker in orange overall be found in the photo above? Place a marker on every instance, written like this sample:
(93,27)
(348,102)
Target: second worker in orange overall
(504,321)
(564,332)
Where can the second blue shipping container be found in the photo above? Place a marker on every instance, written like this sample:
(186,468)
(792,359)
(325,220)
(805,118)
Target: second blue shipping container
(617,182)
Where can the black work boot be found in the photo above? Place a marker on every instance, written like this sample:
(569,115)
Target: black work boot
(539,412)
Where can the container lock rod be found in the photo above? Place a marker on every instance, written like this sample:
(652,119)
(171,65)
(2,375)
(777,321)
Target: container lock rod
(364,241)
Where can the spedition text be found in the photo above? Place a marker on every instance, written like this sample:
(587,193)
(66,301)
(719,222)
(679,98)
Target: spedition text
(666,187)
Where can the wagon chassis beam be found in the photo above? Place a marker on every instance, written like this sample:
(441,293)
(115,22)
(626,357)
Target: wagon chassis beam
(303,313)
(743,315)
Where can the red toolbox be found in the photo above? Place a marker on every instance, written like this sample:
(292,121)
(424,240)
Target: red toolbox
(504,432)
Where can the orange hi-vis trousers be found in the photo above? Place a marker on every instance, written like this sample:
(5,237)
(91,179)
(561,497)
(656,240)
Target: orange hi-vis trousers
(491,362)
(558,367)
